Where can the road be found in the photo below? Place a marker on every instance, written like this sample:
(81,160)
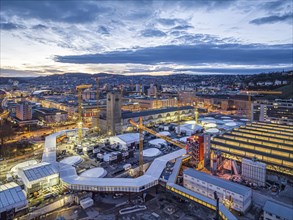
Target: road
(40,132)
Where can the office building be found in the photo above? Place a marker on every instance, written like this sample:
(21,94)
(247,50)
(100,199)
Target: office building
(231,194)
(50,115)
(269,143)
(279,111)
(39,176)
(253,171)
(24,111)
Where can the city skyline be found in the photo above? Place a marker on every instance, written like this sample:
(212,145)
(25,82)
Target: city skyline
(149,37)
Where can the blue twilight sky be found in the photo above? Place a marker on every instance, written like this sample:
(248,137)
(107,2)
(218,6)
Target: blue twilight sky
(145,37)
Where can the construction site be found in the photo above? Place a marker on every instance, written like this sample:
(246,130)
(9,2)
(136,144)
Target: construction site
(181,165)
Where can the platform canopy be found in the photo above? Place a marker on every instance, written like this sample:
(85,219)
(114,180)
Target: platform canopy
(157,142)
(125,140)
(151,152)
(11,196)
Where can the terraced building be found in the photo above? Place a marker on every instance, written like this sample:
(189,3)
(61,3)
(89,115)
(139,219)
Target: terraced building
(269,143)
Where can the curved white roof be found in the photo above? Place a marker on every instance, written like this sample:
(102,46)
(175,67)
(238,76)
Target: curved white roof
(97,172)
(210,125)
(209,118)
(157,141)
(151,152)
(14,169)
(231,124)
(225,117)
(40,91)
(165,133)
(227,120)
(74,160)
(213,130)
(244,119)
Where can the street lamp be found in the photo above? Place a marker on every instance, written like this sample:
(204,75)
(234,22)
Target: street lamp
(217,207)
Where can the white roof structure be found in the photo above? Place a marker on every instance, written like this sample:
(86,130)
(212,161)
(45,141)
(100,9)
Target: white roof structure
(36,172)
(244,119)
(97,172)
(231,124)
(165,133)
(183,139)
(209,118)
(151,152)
(125,139)
(14,170)
(213,130)
(189,129)
(280,209)
(40,91)
(225,117)
(157,142)
(69,176)
(210,125)
(11,196)
(73,161)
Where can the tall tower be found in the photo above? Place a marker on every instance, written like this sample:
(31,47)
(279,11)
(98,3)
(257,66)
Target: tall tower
(113,111)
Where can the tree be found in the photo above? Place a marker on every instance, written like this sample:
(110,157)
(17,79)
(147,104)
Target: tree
(6,131)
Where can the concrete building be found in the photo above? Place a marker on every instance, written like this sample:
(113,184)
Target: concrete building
(275,211)
(269,143)
(232,195)
(24,111)
(113,112)
(152,91)
(279,111)
(39,176)
(12,200)
(152,103)
(254,171)
(51,115)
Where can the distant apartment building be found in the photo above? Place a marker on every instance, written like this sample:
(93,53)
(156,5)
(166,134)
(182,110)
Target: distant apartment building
(152,91)
(186,97)
(279,111)
(24,111)
(51,115)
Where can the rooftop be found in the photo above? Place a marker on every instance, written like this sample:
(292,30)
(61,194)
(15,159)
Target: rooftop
(236,188)
(39,171)
(11,196)
(280,209)
(155,111)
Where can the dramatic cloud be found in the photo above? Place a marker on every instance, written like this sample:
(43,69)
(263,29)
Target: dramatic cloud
(144,36)
(153,33)
(185,54)
(10,26)
(273,19)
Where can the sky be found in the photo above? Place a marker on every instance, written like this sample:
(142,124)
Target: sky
(145,37)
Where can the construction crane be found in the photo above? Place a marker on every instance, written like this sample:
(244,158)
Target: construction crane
(252,92)
(142,128)
(98,108)
(79,89)
(195,112)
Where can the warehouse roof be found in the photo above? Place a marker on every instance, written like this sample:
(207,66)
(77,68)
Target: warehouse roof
(233,187)
(11,196)
(280,209)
